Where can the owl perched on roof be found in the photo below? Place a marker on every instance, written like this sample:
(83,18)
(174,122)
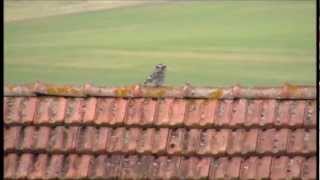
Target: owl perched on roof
(157,76)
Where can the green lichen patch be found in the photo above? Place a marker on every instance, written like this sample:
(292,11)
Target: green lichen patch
(157,92)
(292,89)
(63,90)
(216,94)
(124,91)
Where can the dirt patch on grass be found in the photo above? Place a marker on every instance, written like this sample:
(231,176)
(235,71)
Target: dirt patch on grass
(15,10)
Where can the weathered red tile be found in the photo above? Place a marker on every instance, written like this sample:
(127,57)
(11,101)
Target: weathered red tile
(310,141)
(169,167)
(131,140)
(57,139)
(296,141)
(40,167)
(294,169)
(219,141)
(253,112)
(185,168)
(118,111)
(176,141)
(6,131)
(309,170)
(280,139)
(103,139)
(177,112)
(71,164)
(55,166)
(129,168)
(72,138)
(236,141)
(85,166)
(90,105)
(154,166)
(100,170)
(296,113)
(148,112)
(202,168)
(116,140)
(268,112)
(89,139)
(239,109)
(57,109)
(248,168)
(74,111)
(265,141)
(125,140)
(134,111)
(28,141)
(164,110)
(42,114)
(193,141)
(160,140)
(249,144)
(146,140)
(28,109)
(207,112)
(10,165)
(192,114)
(282,117)
(103,111)
(5,106)
(233,171)
(264,167)
(145,167)
(12,139)
(214,164)
(111,111)
(13,112)
(113,166)
(310,114)
(44,134)
(223,113)
(194,168)
(25,166)
(220,168)
(279,167)
(204,141)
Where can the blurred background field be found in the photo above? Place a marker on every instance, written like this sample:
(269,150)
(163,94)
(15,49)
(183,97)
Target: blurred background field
(252,43)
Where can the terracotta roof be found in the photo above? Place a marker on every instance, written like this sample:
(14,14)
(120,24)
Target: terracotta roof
(138,132)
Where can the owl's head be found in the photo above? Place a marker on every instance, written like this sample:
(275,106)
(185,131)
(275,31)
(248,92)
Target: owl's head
(161,67)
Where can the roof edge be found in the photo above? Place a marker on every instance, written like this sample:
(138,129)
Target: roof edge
(287,91)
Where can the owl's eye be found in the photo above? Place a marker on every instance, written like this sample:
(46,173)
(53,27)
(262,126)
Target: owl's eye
(161,66)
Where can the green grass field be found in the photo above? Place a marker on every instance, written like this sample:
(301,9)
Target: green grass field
(252,43)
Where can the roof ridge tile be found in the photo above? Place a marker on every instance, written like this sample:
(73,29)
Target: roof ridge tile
(287,91)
